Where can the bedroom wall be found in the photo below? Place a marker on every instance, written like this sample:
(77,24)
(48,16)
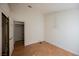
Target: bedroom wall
(62,29)
(34,23)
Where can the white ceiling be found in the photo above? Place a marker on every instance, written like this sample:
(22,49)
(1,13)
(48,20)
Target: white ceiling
(48,7)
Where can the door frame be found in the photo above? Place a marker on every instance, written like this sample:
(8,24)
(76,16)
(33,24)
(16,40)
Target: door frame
(8,30)
(24,30)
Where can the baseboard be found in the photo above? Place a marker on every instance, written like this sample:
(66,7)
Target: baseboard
(73,52)
(32,43)
(11,52)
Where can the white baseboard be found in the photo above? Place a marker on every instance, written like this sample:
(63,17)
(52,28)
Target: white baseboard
(10,52)
(73,52)
(32,43)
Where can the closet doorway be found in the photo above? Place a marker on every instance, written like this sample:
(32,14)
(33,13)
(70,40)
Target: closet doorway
(18,34)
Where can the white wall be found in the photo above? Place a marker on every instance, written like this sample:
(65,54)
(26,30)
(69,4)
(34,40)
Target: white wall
(34,23)
(5,9)
(62,29)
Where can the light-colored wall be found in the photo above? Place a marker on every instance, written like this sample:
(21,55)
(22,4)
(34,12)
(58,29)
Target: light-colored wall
(62,29)
(5,9)
(34,23)
(11,35)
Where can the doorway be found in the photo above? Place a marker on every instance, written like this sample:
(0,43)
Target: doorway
(18,34)
(5,35)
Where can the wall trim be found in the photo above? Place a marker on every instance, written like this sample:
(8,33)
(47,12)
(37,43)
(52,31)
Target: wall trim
(33,43)
(11,52)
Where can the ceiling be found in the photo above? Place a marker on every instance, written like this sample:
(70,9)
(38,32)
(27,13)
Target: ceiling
(47,7)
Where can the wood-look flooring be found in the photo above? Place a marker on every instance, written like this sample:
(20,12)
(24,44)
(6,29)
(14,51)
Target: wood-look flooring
(39,49)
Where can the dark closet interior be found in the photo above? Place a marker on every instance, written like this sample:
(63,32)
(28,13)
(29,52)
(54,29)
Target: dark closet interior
(18,33)
(5,35)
